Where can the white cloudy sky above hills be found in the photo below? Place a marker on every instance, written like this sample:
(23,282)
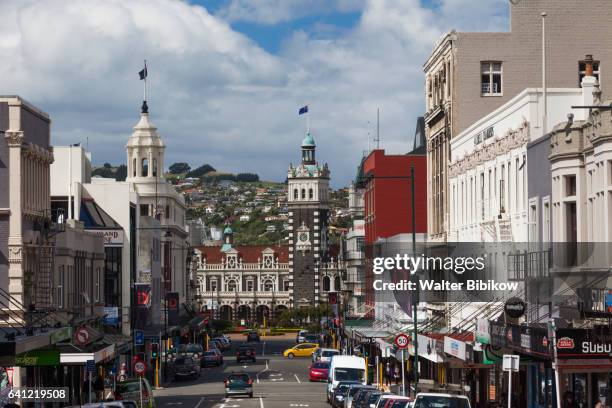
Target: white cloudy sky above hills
(226,77)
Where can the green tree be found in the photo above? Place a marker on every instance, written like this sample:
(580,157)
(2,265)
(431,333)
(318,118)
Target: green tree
(121,173)
(200,171)
(179,168)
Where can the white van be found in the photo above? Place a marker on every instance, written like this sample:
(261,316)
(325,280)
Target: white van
(345,368)
(434,399)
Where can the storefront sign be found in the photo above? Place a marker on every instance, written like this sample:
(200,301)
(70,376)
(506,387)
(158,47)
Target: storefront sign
(65,333)
(111,315)
(38,358)
(515,308)
(112,238)
(172,305)
(455,348)
(483,333)
(584,343)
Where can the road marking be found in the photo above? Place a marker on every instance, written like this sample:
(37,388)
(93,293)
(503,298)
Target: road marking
(261,405)
(298,405)
(277,379)
(199,403)
(263,350)
(260,372)
(296,377)
(276,375)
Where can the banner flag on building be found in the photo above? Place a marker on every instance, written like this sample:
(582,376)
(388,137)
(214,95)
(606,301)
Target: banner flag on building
(303,109)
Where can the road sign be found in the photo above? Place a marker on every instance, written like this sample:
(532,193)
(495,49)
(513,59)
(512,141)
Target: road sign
(82,337)
(140,367)
(139,337)
(402,340)
(511,362)
(91,366)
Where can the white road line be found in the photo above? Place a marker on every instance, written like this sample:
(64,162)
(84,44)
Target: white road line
(261,405)
(296,377)
(262,371)
(263,350)
(199,403)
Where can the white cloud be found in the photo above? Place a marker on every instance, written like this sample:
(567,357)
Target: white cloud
(216,96)
(277,11)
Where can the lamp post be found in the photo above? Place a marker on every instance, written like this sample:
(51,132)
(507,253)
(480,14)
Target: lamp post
(411,177)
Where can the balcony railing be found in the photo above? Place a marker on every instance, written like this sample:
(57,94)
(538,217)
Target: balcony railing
(243,266)
(244,295)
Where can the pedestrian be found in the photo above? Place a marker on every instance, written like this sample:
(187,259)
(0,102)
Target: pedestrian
(396,374)
(388,373)
(598,404)
(569,400)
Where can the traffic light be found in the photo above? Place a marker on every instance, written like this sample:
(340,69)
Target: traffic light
(154,350)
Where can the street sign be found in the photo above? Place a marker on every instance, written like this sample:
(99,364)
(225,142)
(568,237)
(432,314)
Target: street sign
(401,341)
(91,366)
(82,337)
(139,337)
(511,362)
(140,367)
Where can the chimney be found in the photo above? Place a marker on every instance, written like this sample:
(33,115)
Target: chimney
(588,61)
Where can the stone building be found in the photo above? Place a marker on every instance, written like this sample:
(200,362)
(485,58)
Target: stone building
(469,75)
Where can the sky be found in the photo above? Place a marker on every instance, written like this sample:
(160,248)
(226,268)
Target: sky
(227,77)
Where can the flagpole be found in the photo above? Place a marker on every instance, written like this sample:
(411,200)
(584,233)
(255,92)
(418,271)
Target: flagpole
(145,80)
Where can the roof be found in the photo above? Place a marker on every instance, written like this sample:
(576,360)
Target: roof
(93,216)
(308,141)
(248,253)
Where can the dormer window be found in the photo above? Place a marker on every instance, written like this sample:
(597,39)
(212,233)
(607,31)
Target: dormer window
(268,261)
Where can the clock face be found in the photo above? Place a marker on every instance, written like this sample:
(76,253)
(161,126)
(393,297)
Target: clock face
(303,237)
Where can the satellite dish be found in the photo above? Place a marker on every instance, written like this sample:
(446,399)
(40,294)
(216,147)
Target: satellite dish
(515,2)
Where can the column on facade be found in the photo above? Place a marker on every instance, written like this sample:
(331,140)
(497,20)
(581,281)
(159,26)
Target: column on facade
(14,141)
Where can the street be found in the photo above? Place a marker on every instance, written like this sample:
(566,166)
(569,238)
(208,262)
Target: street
(277,382)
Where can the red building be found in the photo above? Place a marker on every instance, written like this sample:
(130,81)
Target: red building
(385,180)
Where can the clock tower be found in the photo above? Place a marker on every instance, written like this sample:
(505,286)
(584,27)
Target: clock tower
(308,201)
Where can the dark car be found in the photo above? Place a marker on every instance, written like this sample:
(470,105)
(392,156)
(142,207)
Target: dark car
(360,395)
(252,336)
(370,398)
(311,338)
(186,366)
(238,384)
(245,353)
(212,358)
(340,392)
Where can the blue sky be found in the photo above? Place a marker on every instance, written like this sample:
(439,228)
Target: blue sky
(226,77)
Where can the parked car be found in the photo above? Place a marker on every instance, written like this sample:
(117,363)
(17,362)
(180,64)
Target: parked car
(398,403)
(252,336)
(300,338)
(186,367)
(318,371)
(238,383)
(211,358)
(224,342)
(245,352)
(359,395)
(434,399)
(316,355)
(370,399)
(311,338)
(389,398)
(350,394)
(129,390)
(301,350)
(337,400)
(109,404)
(326,354)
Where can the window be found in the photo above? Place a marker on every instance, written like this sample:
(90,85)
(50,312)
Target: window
(154,167)
(145,168)
(570,185)
(286,286)
(546,219)
(491,78)
(213,285)
(144,209)
(582,69)
(337,283)
(60,288)
(268,285)
(134,167)
(326,283)
(295,194)
(97,285)
(232,286)
(310,193)
(250,285)
(303,193)
(533,220)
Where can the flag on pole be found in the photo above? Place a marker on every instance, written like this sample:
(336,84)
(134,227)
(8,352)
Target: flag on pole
(303,109)
(143,72)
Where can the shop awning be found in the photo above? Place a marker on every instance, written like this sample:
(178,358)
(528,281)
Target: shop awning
(371,333)
(71,354)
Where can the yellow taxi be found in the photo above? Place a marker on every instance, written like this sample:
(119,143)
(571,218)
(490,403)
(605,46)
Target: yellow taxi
(301,350)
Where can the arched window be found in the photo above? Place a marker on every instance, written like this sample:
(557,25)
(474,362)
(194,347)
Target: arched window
(310,193)
(303,193)
(337,283)
(232,286)
(134,167)
(145,168)
(268,285)
(295,194)
(154,167)
(326,283)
